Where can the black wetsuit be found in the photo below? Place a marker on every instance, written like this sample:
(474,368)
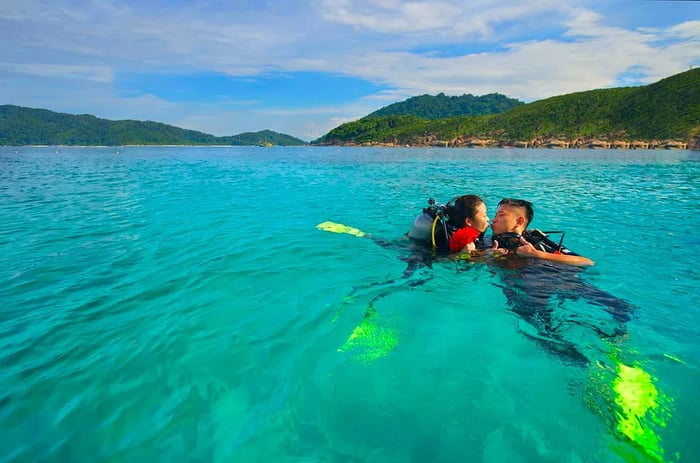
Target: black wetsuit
(530,285)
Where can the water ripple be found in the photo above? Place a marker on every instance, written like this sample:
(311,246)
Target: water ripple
(178,304)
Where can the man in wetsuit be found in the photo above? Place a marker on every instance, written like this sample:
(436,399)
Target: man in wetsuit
(512,218)
(530,286)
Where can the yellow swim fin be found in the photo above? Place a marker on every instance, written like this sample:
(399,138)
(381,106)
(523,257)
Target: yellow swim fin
(640,408)
(370,341)
(628,396)
(340,228)
(638,411)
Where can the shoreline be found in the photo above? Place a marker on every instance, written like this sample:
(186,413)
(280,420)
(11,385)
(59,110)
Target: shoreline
(536,143)
(433,142)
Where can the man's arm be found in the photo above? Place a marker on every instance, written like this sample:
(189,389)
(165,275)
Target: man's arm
(528,250)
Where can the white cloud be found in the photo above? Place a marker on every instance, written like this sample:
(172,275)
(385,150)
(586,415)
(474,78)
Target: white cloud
(446,18)
(592,56)
(689,30)
(72,49)
(389,17)
(62,71)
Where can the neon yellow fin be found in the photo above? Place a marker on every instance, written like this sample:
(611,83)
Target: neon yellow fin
(638,402)
(369,341)
(340,228)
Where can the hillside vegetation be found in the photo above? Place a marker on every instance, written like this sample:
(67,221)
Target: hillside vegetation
(441,106)
(27,126)
(666,113)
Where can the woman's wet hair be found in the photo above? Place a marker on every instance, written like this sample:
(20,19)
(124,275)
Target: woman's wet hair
(464,207)
(527,205)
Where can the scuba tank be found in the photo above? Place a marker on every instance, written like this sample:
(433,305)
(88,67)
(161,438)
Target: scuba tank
(432,227)
(422,228)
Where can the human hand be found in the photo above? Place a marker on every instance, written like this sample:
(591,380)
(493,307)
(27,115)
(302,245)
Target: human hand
(498,251)
(526,249)
(585,261)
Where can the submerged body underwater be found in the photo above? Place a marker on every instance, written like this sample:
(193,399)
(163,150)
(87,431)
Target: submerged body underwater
(179,304)
(534,290)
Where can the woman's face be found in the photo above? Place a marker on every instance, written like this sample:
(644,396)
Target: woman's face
(480,221)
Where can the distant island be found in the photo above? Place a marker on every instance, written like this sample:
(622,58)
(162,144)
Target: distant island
(21,126)
(663,115)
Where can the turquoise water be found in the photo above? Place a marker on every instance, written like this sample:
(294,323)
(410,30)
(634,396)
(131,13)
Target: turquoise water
(178,304)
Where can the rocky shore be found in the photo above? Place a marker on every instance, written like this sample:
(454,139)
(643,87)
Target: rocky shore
(541,142)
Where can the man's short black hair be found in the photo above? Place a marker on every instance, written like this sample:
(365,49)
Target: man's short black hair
(527,205)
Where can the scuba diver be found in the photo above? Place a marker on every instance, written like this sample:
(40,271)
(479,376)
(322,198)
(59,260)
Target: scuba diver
(459,225)
(442,230)
(524,261)
(444,227)
(511,236)
(528,264)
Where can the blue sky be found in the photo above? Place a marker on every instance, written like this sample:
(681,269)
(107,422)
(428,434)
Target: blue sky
(304,67)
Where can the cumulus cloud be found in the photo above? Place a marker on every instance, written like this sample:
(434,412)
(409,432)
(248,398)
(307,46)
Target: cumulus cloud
(689,30)
(455,19)
(62,71)
(591,55)
(526,50)
(391,16)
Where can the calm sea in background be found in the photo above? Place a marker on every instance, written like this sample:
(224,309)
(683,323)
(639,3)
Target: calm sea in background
(179,304)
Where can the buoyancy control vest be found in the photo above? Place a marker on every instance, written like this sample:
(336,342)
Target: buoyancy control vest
(539,239)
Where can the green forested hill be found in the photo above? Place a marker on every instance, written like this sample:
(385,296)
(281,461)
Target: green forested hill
(27,126)
(263,137)
(441,106)
(666,110)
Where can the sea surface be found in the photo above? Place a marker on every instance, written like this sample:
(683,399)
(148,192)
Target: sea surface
(179,304)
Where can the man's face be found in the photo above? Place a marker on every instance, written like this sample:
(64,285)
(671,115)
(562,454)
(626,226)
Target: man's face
(506,220)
